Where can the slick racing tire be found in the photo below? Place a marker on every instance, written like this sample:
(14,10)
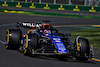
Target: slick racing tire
(30,43)
(83,49)
(13,38)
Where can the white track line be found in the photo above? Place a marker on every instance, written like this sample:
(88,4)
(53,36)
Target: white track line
(7,25)
(4,26)
(2,42)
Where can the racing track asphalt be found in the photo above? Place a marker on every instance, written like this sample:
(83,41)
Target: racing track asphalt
(12,58)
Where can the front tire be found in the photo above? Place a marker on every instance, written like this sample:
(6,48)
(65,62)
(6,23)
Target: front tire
(31,43)
(83,49)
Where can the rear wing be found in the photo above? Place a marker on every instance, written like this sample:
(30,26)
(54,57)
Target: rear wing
(29,25)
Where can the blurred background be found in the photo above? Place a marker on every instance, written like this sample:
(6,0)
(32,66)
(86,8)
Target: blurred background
(70,2)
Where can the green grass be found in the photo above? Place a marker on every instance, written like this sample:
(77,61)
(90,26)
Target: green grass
(93,35)
(46,14)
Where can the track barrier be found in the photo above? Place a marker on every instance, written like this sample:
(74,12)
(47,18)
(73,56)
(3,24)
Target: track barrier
(50,6)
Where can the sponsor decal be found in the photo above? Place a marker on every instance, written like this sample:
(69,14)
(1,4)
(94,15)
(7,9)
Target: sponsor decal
(57,39)
(31,24)
(61,47)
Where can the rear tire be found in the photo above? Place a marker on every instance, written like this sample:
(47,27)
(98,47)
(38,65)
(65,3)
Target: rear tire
(13,38)
(83,50)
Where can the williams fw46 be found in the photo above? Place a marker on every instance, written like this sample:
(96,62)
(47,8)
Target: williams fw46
(43,39)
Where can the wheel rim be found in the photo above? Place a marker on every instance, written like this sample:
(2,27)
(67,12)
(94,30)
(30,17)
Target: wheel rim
(26,44)
(7,39)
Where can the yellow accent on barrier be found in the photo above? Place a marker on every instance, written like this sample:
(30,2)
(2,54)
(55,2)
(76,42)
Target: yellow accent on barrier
(76,9)
(19,5)
(61,7)
(6,11)
(5,4)
(92,10)
(32,6)
(12,11)
(19,12)
(78,47)
(46,7)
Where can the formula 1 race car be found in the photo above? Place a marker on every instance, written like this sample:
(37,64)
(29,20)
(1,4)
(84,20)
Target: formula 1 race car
(43,39)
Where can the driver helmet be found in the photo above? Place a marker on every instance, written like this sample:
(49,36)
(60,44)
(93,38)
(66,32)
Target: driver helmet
(46,28)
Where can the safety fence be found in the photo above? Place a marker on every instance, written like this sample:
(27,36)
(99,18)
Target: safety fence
(70,2)
(50,6)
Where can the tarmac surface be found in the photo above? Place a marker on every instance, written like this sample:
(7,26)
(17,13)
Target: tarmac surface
(13,58)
